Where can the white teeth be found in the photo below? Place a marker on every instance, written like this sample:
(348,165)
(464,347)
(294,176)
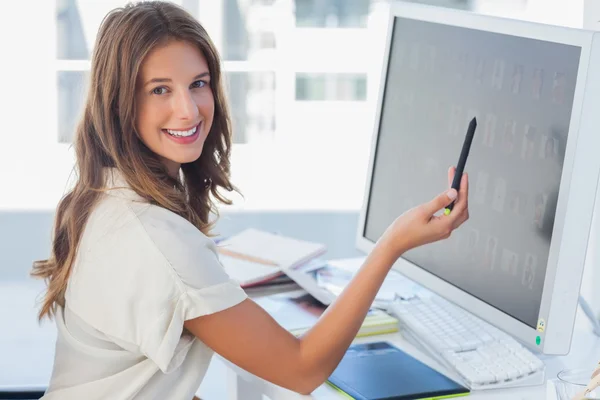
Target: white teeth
(182,133)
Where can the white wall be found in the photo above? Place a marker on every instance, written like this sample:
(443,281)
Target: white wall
(554,12)
(591,14)
(591,279)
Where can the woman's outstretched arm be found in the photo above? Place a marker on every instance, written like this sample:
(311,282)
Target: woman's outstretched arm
(250,338)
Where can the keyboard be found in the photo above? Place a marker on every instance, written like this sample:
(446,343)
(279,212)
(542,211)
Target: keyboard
(482,355)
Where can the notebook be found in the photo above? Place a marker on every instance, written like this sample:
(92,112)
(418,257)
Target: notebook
(249,273)
(298,311)
(378,371)
(270,249)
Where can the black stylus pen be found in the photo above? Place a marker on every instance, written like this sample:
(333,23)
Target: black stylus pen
(460,167)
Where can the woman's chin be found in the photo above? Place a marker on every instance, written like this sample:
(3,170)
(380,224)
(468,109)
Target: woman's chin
(186,157)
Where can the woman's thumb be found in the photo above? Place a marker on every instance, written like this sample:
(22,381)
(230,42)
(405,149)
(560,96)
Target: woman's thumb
(441,201)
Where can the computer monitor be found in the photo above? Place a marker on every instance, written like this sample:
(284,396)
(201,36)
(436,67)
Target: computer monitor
(533,167)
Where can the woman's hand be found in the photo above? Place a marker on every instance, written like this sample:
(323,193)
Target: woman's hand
(420,225)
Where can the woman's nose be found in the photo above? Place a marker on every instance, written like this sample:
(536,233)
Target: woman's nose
(185,107)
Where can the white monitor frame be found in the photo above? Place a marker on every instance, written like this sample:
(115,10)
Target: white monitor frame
(577,191)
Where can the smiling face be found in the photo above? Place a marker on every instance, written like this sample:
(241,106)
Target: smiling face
(175,103)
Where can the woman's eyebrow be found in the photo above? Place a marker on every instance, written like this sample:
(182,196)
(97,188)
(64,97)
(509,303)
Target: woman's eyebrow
(166,80)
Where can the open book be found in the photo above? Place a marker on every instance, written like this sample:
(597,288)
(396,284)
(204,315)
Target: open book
(254,257)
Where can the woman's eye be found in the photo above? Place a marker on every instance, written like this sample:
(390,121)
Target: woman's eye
(198,84)
(159,90)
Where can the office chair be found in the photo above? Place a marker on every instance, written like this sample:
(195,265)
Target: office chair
(21,395)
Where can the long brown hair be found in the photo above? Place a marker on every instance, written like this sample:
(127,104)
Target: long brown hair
(106,137)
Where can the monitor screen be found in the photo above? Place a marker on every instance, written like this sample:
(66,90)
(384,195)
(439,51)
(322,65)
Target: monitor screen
(521,90)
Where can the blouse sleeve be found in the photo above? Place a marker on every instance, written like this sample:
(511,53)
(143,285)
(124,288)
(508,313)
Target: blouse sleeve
(140,284)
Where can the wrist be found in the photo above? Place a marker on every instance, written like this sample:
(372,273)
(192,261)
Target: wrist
(390,249)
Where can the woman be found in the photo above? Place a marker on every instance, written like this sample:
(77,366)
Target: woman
(134,284)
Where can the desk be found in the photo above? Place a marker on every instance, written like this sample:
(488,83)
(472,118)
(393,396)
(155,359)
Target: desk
(585,351)
(27,353)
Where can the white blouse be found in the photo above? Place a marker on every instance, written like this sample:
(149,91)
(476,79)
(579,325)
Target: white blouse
(140,272)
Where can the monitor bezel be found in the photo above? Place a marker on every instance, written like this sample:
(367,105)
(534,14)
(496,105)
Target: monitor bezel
(577,190)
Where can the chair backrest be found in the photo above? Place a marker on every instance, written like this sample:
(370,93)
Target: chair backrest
(21,395)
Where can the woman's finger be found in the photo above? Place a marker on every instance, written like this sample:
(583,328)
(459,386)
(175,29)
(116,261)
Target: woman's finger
(438,202)
(463,218)
(460,212)
(451,172)
(464,189)
(462,202)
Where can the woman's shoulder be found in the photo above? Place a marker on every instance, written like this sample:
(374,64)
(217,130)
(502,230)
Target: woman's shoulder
(125,234)
(142,233)
(141,251)
(120,212)
(123,220)
(157,220)
(127,242)
(183,245)
(112,215)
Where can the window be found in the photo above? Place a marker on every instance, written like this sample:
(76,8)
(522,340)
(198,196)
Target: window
(243,40)
(71,44)
(283,95)
(275,69)
(251,105)
(264,40)
(331,87)
(76,25)
(72,89)
(332,13)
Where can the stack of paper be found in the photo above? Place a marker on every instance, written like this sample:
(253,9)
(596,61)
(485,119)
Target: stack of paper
(338,273)
(298,311)
(248,273)
(255,257)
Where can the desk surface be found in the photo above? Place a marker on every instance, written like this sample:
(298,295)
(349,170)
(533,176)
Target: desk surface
(584,352)
(27,350)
